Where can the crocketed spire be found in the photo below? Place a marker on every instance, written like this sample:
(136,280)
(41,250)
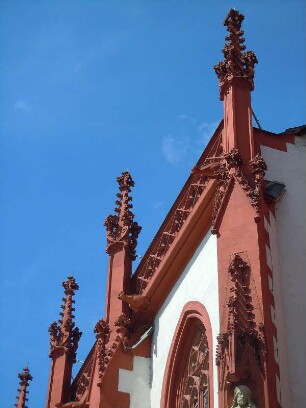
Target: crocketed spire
(237,63)
(122,227)
(24,377)
(63,335)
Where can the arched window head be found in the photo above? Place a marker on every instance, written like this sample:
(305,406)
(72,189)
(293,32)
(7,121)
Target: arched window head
(188,377)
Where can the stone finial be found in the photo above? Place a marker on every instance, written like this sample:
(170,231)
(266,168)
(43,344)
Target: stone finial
(236,63)
(25,377)
(122,227)
(63,335)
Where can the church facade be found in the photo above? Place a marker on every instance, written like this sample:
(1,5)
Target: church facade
(213,315)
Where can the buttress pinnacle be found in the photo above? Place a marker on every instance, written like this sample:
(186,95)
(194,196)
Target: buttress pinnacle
(64,337)
(122,227)
(237,63)
(24,377)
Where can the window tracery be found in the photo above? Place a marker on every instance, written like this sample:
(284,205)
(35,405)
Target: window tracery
(188,380)
(193,386)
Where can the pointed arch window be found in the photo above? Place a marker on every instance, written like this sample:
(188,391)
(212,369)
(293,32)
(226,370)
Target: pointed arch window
(188,377)
(193,384)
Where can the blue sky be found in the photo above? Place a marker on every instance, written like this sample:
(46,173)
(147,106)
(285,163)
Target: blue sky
(93,88)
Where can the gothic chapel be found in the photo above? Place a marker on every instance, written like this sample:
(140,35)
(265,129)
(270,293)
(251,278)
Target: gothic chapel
(213,315)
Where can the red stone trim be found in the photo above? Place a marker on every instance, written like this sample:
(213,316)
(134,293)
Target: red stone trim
(273,140)
(268,301)
(239,234)
(193,313)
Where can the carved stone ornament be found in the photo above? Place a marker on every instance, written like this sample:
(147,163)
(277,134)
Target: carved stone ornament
(243,397)
(102,335)
(25,377)
(106,350)
(259,168)
(230,170)
(81,385)
(135,302)
(64,337)
(167,234)
(121,228)
(236,63)
(233,158)
(81,398)
(123,324)
(224,180)
(243,339)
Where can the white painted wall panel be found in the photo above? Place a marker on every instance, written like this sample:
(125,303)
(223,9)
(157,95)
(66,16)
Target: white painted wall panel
(278,316)
(198,282)
(289,241)
(137,382)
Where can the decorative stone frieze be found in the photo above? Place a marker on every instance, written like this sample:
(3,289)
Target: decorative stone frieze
(171,229)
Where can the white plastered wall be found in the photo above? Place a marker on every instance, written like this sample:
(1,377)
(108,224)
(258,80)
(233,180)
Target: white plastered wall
(198,282)
(278,315)
(290,232)
(137,382)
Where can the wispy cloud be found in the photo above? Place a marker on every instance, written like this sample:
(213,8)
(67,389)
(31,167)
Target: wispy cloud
(206,130)
(188,141)
(22,105)
(187,118)
(174,148)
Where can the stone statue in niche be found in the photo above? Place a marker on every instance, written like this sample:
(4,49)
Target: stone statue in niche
(242,397)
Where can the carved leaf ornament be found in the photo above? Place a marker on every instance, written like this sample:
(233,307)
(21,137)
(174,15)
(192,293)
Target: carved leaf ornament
(227,173)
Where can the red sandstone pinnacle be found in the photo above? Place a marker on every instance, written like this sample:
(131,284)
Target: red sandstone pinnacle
(24,377)
(237,63)
(121,228)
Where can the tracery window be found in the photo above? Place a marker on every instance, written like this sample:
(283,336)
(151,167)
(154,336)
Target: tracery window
(193,387)
(188,380)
